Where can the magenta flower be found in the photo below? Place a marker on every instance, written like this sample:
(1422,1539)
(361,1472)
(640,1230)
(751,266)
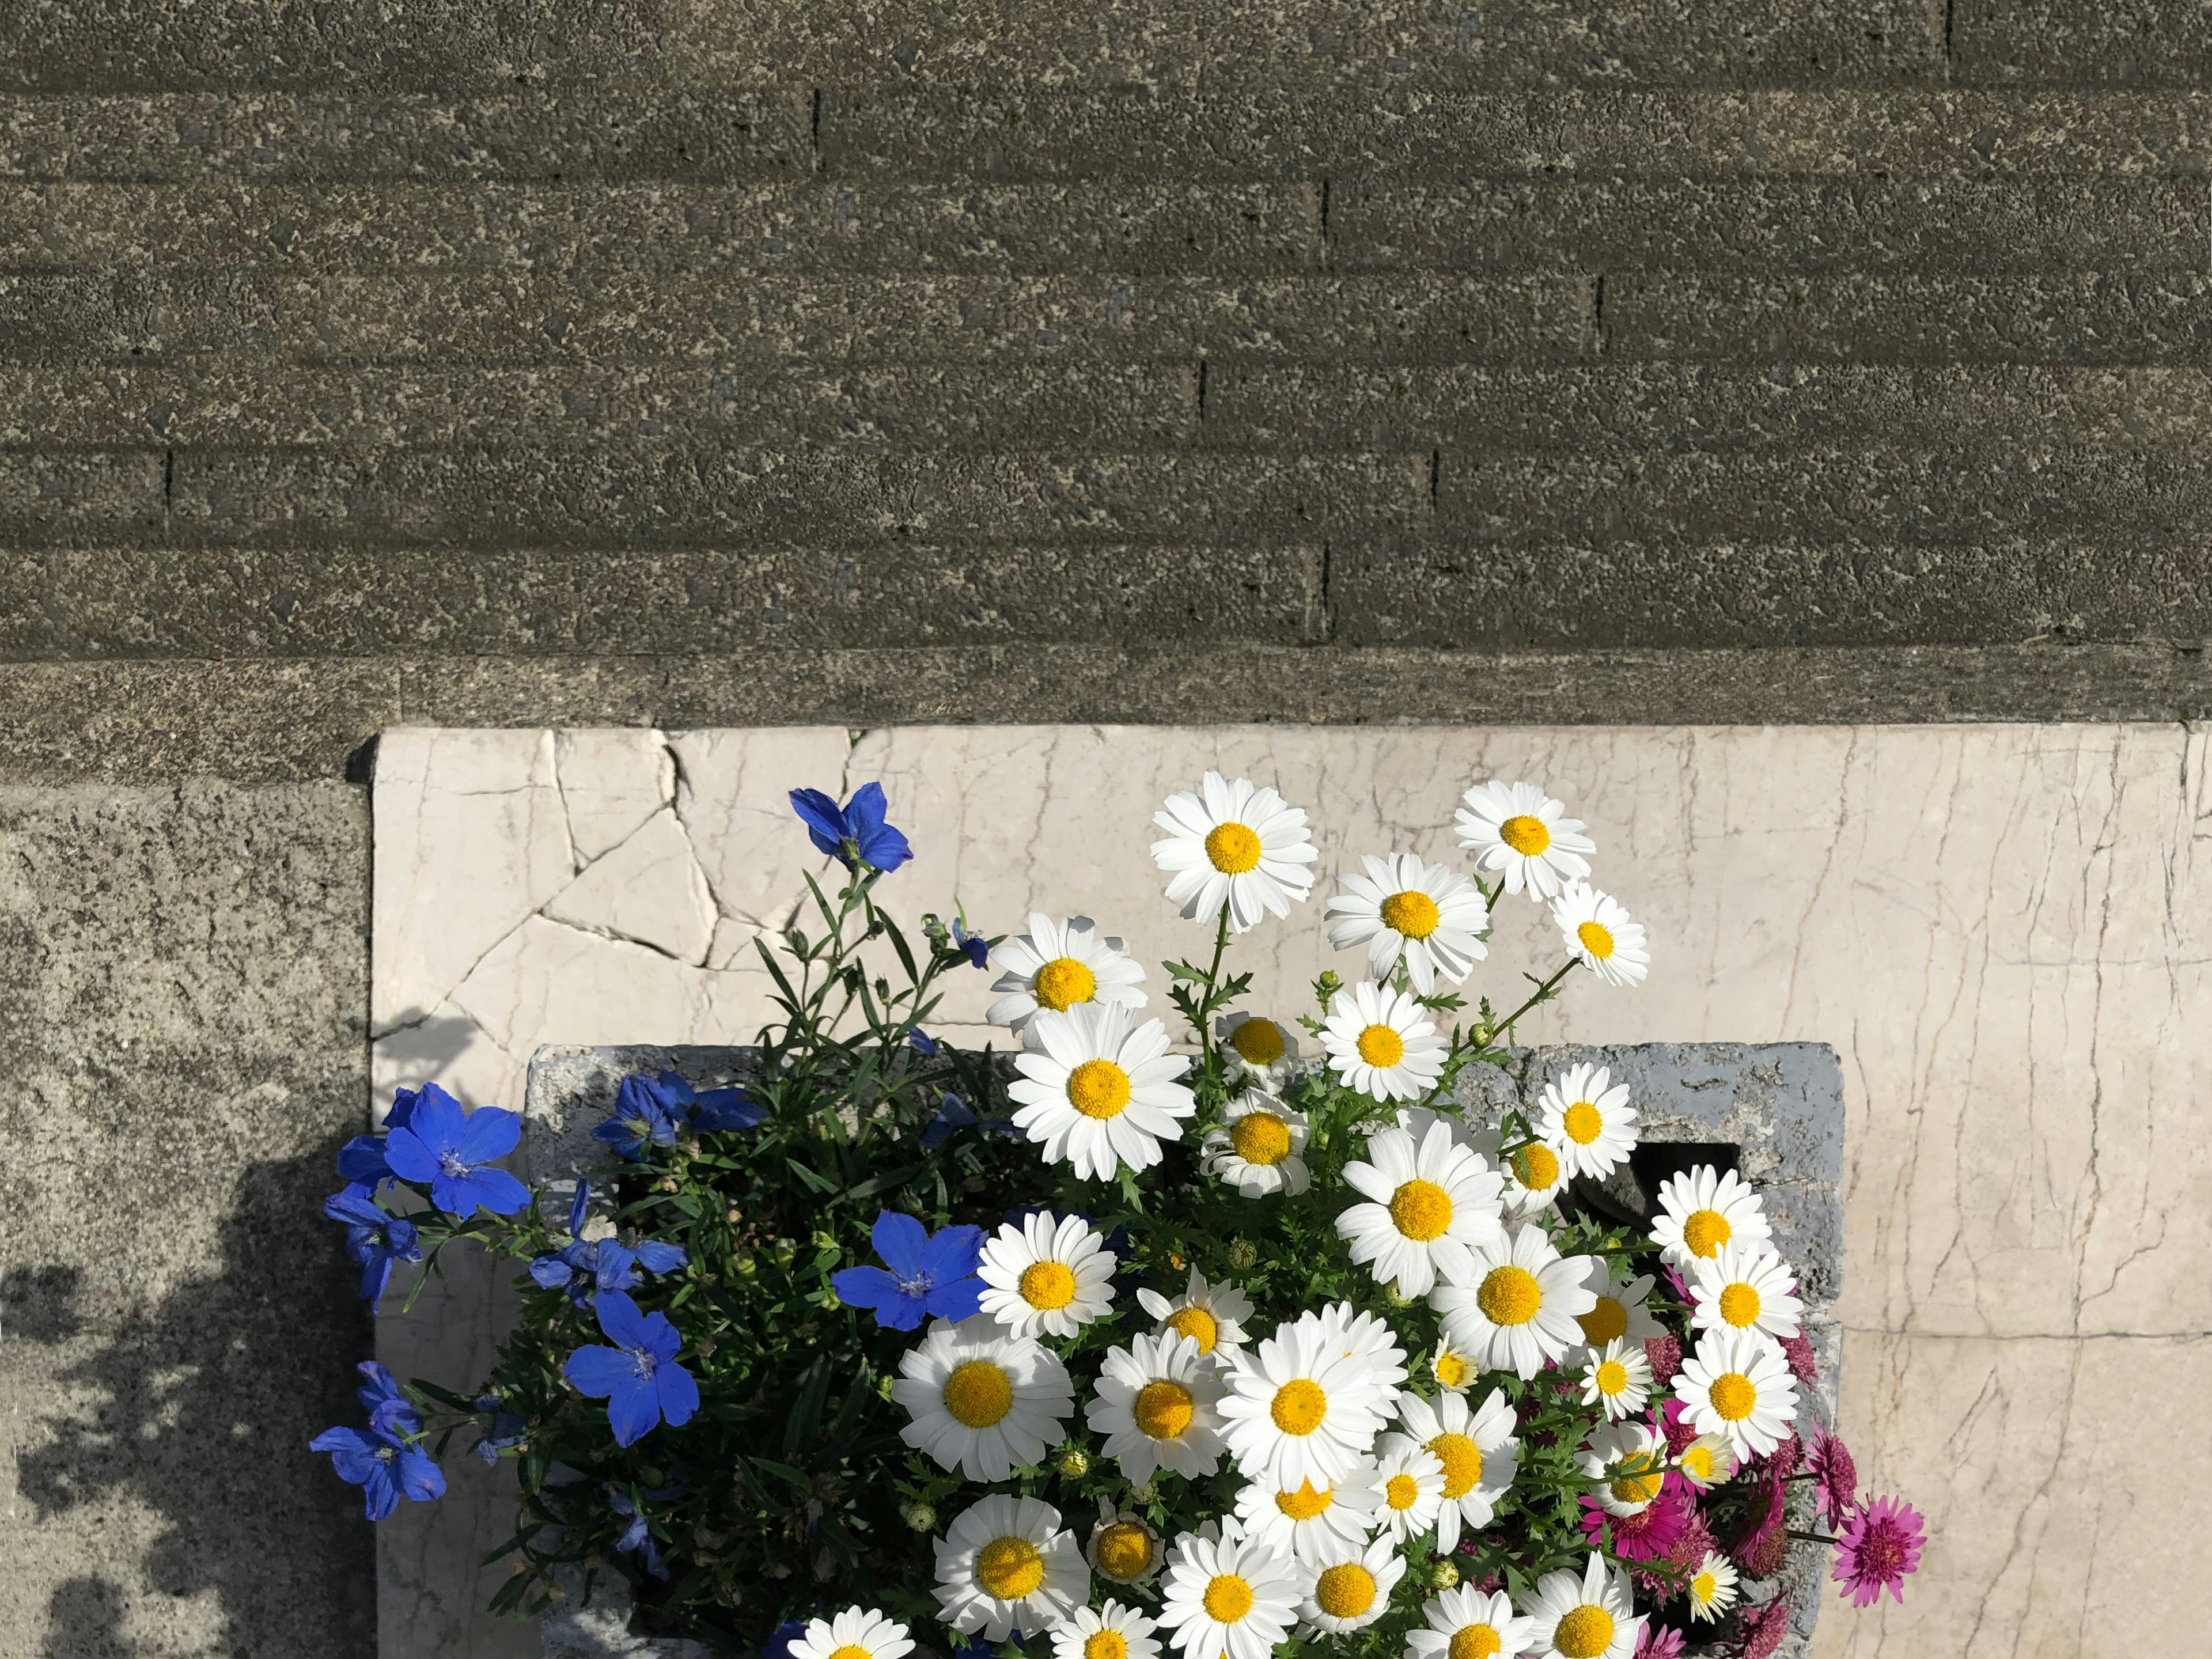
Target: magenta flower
(1878,1547)
(1760,1629)
(1835,1478)
(1658,1642)
(1644,1536)
(1799,1352)
(1677,1427)
(1665,1353)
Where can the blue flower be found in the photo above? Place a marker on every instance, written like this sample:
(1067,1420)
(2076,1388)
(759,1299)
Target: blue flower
(375,1239)
(778,1645)
(922,1043)
(978,949)
(638,1376)
(953,1113)
(452,1149)
(383,1465)
(388,1408)
(928,1277)
(656,1110)
(361,1160)
(855,832)
(505,1430)
(587,1266)
(638,1535)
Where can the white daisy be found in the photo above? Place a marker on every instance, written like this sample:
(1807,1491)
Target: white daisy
(1156,1405)
(854,1633)
(1453,1368)
(1585,1117)
(1534,1176)
(1415,1121)
(1466,1624)
(1744,1287)
(1095,1093)
(1619,1310)
(1588,1615)
(1006,1562)
(1707,1460)
(1601,934)
(1430,1202)
(1255,1147)
(1309,1521)
(1431,916)
(1628,1461)
(1351,1590)
(1412,1478)
(1516,832)
(1346,1330)
(1059,965)
(1703,1209)
(1113,1633)
(1212,1315)
(1711,1588)
(1738,1383)
(1618,1378)
(1478,1451)
(1229,1598)
(1518,1309)
(1051,1276)
(1241,846)
(1261,1050)
(1382,1044)
(1123,1548)
(1300,1409)
(983,1400)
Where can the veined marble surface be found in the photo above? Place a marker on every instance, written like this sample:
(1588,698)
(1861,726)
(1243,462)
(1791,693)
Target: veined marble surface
(2004,930)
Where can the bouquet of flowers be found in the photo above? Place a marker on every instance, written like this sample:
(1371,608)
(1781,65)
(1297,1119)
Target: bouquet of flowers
(1108,1344)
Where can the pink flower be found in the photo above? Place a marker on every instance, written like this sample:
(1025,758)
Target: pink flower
(1658,1642)
(1783,1460)
(1835,1477)
(1665,1354)
(1799,1352)
(1679,1431)
(1761,1629)
(1693,1544)
(1644,1536)
(1878,1547)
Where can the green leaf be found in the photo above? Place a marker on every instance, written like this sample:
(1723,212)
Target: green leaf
(805,1416)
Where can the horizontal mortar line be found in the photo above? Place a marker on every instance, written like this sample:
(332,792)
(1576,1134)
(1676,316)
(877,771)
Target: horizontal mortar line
(2027,1336)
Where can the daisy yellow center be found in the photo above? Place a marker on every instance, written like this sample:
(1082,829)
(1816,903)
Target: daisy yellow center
(1199,1326)
(1047,1285)
(1260,1138)
(1525,835)
(1421,1210)
(1604,1322)
(1010,1568)
(1450,1370)
(1305,1502)
(1537,1165)
(1584,1633)
(1509,1295)
(1698,1461)
(1703,1587)
(1740,1305)
(1299,1405)
(1473,1642)
(1641,1484)
(1125,1550)
(1258,1041)
(1401,1491)
(1733,1395)
(978,1394)
(1582,1122)
(850,1650)
(1105,1645)
(1162,1409)
(1611,1378)
(1228,1598)
(1705,1231)
(1344,1591)
(1462,1462)
(1379,1045)
(1597,940)
(1063,982)
(1098,1088)
(1411,913)
(1232,849)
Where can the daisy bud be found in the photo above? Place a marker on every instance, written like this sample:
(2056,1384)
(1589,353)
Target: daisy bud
(1145,1491)
(1443,1576)
(883,1386)
(920,1517)
(1394,1297)
(1074,1463)
(1244,1254)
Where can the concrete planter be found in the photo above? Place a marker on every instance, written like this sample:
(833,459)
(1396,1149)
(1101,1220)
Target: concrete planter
(1775,1110)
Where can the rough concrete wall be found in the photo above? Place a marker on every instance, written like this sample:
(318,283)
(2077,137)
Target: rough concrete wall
(606,361)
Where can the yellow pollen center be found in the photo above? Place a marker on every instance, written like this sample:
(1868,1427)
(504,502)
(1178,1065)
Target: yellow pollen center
(1611,1378)
(1258,1041)
(1299,1405)
(1596,939)
(1305,1502)
(850,1650)
(1705,1231)
(1344,1591)
(1604,1322)
(1698,1461)
(1421,1210)
(1063,982)
(1010,1568)
(1584,1633)
(1703,1587)
(1536,1166)
(1232,849)
(1162,1409)
(1260,1138)
(1228,1598)
(1199,1326)
(1103,1644)
(1582,1123)
(1098,1088)
(1379,1045)
(1733,1395)
(1450,1370)
(1411,913)
(1462,1462)
(1401,1491)
(978,1394)
(1047,1285)
(1474,1642)
(1740,1305)
(1509,1295)
(1525,835)
(1641,1484)
(1125,1550)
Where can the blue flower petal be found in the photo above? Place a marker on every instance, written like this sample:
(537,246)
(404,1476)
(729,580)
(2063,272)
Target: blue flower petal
(871,1287)
(954,1253)
(579,1209)
(619,1317)
(380,1495)
(402,1107)
(499,1192)
(376,1274)
(662,1339)
(437,1121)
(361,1160)
(550,1272)
(656,1257)
(491,1131)
(679,1394)
(962,1299)
(633,1407)
(411,1158)
(825,824)
(902,1242)
(597,1371)
(355,1205)
(885,849)
(420,1477)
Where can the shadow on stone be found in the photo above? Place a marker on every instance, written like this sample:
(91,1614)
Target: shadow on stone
(84,1620)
